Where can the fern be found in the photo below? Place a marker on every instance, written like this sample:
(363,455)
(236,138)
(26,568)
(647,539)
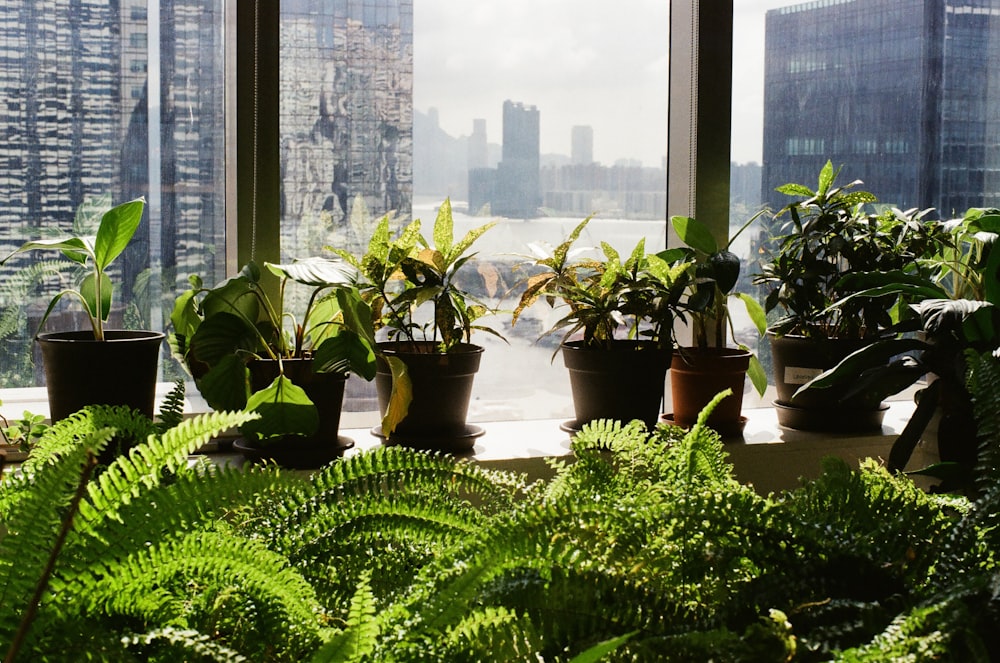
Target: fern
(172,408)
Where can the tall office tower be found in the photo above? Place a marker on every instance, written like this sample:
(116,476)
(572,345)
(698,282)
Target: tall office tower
(518,185)
(900,92)
(479,155)
(347,118)
(582,145)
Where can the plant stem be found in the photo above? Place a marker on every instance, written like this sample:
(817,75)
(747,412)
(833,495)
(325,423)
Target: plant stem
(43,582)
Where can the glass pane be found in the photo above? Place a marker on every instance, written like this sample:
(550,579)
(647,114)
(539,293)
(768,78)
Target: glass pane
(105,102)
(896,92)
(556,109)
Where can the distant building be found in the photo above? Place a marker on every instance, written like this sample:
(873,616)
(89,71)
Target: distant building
(513,189)
(479,155)
(582,145)
(902,93)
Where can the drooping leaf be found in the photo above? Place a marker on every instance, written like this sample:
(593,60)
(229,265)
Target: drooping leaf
(343,352)
(756,312)
(226,385)
(401,396)
(725,269)
(284,409)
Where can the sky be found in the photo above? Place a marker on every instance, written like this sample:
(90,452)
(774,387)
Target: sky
(581,62)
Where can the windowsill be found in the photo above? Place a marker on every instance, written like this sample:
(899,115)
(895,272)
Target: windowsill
(767,456)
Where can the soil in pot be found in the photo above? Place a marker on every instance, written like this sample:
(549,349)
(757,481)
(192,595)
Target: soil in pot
(442,390)
(697,375)
(326,391)
(623,383)
(796,361)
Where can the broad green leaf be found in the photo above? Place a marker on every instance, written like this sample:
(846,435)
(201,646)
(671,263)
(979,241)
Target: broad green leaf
(357,315)
(226,385)
(754,310)
(118,226)
(694,234)
(284,409)
(235,296)
(871,356)
(343,352)
(88,291)
(184,317)
(316,271)
(757,374)
(222,334)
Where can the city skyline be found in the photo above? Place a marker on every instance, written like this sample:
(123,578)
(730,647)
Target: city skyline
(616,59)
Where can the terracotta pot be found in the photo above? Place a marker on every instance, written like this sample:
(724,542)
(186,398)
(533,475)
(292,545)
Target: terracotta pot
(624,383)
(326,391)
(797,360)
(80,371)
(697,375)
(442,390)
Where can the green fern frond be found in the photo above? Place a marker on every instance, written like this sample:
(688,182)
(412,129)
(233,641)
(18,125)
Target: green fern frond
(172,408)
(170,644)
(359,637)
(144,465)
(66,433)
(984,385)
(35,510)
(151,586)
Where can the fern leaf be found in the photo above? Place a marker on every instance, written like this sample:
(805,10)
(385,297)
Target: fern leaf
(359,637)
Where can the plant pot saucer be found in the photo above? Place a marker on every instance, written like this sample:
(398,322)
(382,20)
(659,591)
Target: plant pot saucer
(300,454)
(832,420)
(460,441)
(733,430)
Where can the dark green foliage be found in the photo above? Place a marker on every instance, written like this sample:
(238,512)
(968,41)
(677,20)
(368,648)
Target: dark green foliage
(643,549)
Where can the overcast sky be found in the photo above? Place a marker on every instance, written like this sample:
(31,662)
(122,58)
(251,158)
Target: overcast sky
(588,62)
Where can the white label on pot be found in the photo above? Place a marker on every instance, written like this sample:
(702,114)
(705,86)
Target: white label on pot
(800,375)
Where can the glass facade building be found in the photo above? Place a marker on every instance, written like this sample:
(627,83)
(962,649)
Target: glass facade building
(898,92)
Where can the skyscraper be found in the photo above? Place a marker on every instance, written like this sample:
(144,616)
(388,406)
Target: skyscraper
(518,189)
(899,92)
(582,145)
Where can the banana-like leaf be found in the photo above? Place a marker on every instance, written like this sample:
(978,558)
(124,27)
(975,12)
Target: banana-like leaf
(88,291)
(118,226)
(694,234)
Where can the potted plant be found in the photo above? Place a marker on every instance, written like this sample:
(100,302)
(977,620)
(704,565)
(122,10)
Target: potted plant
(97,365)
(710,365)
(955,310)
(247,350)
(426,359)
(829,234)
(618,324)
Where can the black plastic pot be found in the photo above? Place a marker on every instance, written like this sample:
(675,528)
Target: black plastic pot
(697,375)
(80,371)
(797,360)
(326,391)
(623,383)
(442,389)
